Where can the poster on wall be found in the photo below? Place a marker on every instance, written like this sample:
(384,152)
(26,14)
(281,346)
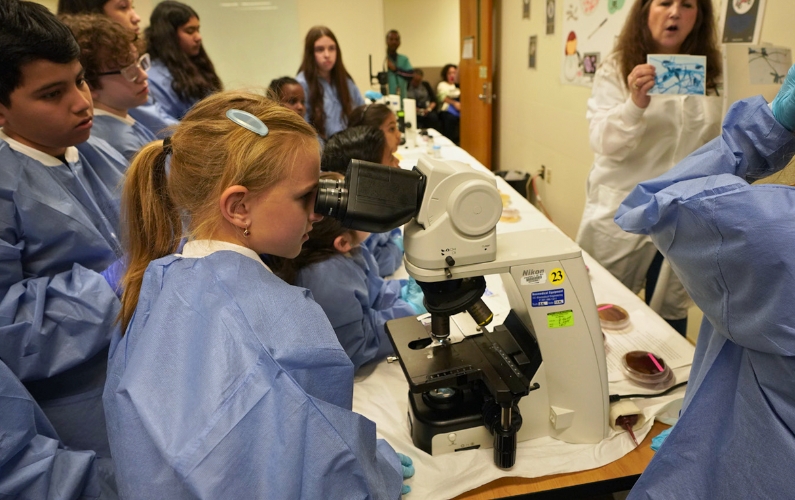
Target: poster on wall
(590,28)
(526,9)
(742,21)
(768,65)
(531,51)
(550,17)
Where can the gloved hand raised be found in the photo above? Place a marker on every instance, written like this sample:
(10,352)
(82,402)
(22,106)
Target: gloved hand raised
(784,104)
(113,275)
(408,471)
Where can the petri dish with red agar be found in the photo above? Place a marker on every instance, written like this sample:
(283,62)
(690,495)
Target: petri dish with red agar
(647,370)
(613,317)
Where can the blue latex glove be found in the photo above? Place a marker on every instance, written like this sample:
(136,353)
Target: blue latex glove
(113,275)
(657,440)
(408,471)
(373,95)
(412,293)
(784,104)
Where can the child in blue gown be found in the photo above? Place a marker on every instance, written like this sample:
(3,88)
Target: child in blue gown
(343,277)
(227,381)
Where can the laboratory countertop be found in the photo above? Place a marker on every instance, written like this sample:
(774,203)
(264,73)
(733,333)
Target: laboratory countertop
(380,393)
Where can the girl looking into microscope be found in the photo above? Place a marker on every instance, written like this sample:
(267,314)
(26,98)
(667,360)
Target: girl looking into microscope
(368,144)
(220,360)
(343,277)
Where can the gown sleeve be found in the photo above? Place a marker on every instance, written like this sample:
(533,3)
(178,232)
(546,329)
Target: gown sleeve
(730,242)
(33,461)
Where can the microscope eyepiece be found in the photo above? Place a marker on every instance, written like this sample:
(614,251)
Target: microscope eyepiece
(332,198)
(372,197)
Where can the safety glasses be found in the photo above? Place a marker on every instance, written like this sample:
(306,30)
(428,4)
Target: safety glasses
(130,73)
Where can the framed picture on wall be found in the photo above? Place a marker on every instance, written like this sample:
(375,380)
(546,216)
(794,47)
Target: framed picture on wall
(550,17)
(531,52)
(525,9)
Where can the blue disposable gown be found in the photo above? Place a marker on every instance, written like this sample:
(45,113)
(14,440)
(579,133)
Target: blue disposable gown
(34,463)
(335,120)
(386,251)
(125,135)
(153,117)
(731,244)
(230,383)
(357,301)
(58,230)
(160,81)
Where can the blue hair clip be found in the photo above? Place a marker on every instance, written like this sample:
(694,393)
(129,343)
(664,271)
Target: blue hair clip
(248,121)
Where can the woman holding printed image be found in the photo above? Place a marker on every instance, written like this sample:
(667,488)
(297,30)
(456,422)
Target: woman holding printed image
(636,137)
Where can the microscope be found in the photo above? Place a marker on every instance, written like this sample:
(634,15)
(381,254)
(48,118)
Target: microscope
(542,372)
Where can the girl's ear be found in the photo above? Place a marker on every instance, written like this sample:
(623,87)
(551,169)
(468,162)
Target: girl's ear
(235,206)
(343,243)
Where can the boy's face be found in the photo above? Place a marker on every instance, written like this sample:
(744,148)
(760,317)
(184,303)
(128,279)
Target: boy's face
(118,94)
(51,109)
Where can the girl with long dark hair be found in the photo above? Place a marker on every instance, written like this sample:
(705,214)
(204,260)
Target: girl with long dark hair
(329,88)
(182,72)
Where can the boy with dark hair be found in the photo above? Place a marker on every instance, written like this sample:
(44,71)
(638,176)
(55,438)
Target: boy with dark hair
(116,75)
(59,221)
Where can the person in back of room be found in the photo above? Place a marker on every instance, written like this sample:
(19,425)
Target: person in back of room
(182,72)
(228,382)
(289,93)
(329,89)
(367,143)
(59,238)
(422,93)
(343,278)
(150,114)
(399,70)
(448,95)
(116,74)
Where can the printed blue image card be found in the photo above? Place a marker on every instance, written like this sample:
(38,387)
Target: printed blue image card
(678,74)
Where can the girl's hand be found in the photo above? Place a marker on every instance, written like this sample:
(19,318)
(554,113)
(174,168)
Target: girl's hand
(639,82)
(457,105)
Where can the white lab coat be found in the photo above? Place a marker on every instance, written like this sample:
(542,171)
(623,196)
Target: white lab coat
(632,145)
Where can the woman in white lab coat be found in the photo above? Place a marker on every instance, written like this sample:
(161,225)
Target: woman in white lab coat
(636,137)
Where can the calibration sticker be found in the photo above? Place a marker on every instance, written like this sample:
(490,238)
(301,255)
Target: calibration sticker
(555,297)
(560,319)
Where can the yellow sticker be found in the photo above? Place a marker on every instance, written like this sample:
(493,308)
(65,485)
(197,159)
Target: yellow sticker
(560,319)
(557,276)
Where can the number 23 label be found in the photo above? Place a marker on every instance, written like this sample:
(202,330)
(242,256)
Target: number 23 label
(557,276)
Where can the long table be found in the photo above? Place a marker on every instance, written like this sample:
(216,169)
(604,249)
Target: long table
(544,466)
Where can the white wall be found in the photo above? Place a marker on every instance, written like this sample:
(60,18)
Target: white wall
(429,30)
(542,122)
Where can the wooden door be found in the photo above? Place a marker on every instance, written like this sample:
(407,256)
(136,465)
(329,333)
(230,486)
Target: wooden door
(475,77)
